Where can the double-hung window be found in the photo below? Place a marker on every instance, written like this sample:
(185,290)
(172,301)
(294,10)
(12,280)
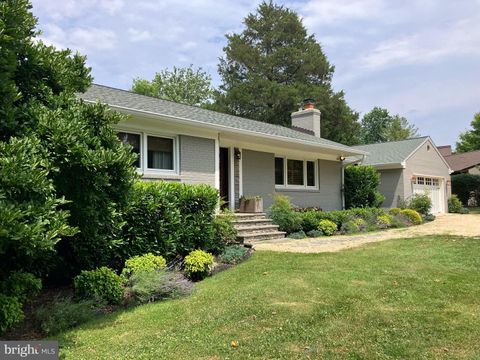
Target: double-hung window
(155,154)
(295,173)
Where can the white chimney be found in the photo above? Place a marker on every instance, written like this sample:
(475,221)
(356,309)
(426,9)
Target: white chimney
(307,118)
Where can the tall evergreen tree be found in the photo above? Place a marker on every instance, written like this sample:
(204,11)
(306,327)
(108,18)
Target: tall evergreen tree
(272,65)
(470,140)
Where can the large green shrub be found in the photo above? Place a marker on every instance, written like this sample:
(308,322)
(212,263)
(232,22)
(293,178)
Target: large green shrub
(143,263)
(284,215)
(361,184)
(11,312)
(421,203)
(101,285)
(32,219)
(454,204)
(78,153)
(197,264)
(464,184)
(170,219)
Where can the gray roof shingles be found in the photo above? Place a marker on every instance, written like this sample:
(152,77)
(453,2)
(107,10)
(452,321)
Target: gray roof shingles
(130,100)
(393,152)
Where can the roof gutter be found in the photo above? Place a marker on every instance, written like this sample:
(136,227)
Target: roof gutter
(223,127)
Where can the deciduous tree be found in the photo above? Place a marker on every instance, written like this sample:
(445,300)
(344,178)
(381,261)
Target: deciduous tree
(470,140)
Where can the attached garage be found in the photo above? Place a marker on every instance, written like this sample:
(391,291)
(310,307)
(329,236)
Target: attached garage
(408,167)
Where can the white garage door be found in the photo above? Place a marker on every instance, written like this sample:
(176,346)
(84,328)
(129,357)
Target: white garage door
(432,187)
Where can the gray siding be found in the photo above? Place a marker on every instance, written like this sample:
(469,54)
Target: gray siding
(429,163)
(197,160)
(258,175)
(259,179)
(391,186)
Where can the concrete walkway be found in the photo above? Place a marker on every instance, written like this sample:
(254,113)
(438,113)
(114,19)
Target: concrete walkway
(448,224)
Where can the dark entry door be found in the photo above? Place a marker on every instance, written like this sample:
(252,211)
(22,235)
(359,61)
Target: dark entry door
(224,174)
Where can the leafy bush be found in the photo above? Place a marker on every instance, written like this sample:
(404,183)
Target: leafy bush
(310,219)
(454,204)
(412,215)
(11,312)
(284,215)
(223,231)
(314,233)
(463,185)
(384,221)
(361,184)
(233,254)
(297,235)
(197,264)
(64,314)
(32,219)
(152,286)
(327,227)
(21,285)
(464,210)
(395,211)
(169,218)
(101,285)
(143,263)
(429,217)
(421,203)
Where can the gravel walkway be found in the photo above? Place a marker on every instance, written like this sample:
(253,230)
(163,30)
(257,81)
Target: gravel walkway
(448,224)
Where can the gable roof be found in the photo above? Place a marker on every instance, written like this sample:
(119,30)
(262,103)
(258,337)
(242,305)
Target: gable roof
(463,161)
(390,153)
(127,100)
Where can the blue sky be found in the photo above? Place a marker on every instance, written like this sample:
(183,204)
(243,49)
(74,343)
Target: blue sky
(420,59)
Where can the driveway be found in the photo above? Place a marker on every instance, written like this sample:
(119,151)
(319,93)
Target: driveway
(447,224)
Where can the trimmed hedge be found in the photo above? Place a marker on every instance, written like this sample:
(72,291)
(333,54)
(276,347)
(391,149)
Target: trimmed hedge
(170,219)
(361,187)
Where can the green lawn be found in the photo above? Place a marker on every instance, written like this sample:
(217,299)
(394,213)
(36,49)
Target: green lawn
(474,210)
(400,299)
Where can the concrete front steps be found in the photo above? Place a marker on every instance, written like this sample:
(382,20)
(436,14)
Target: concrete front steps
(255,226)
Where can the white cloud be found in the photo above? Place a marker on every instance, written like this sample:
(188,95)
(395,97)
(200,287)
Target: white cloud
(136,35)
(63,9)
(85,40)
(460,38)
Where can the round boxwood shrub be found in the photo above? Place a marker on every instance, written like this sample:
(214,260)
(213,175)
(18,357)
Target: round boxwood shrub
(412,215)
(297,235)
(429,217)
(143,263)
(464,210)
(284,215)
(327,227)
(102,285)
(197,264)
(10,312)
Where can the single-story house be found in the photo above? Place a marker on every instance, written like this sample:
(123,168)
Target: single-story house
(468,162)
(407,167)
(238,156)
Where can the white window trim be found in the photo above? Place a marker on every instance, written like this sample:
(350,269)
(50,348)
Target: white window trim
(144,169)
(298,187)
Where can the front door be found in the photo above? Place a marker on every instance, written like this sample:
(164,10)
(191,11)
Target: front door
(224,175)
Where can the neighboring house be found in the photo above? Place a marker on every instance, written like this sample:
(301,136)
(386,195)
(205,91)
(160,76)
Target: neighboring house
(468,162)
(238,156)
(410,166)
